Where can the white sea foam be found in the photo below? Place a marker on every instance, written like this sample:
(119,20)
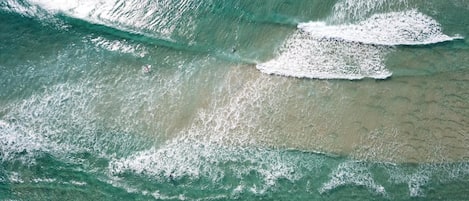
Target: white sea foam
(78,183)
(18,139)
(152,18)
(48,123)
(395,28)
(352,51)
(160,196)
(15,177)
(415,185)
(33,11)
(352,174)
(196,160)
(213,139)
(307,56)
(3,124)
(351,10)
(417,180)
(21,8)
(27,133)
(120,46)
(44,180)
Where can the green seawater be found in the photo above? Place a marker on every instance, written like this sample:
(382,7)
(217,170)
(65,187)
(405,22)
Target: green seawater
(234,100)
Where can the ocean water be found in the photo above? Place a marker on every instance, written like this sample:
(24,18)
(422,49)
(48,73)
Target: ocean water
(234,100)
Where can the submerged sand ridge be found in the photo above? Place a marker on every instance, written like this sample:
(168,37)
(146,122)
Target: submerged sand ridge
(415,116)
(404,119)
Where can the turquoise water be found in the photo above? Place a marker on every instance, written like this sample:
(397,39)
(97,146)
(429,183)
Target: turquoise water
(242,100)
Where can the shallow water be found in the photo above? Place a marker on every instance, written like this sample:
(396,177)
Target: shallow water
(277,100)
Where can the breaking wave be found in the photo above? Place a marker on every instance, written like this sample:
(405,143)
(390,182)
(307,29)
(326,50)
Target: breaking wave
(352,51)
(395,28)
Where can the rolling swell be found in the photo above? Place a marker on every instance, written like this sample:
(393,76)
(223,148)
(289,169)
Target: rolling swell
(151,26)
(185,26)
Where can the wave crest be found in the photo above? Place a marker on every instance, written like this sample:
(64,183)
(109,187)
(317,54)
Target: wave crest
(395,28)
(352,51)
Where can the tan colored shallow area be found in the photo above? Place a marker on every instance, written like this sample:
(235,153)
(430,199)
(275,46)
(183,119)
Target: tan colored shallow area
(403,119)
(422,118)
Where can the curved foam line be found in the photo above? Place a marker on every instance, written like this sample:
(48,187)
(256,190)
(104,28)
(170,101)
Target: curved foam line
(352,51)
(352,173)
(395,28)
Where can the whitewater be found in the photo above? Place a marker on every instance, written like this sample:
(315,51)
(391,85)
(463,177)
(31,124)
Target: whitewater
(234,100)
